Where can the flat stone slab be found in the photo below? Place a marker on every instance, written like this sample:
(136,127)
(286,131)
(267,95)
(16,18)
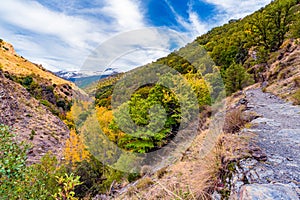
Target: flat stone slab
(267,192)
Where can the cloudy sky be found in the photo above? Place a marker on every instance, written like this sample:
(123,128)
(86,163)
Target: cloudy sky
(61,34)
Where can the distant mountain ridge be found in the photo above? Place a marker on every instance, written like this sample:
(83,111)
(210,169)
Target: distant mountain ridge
(85,78)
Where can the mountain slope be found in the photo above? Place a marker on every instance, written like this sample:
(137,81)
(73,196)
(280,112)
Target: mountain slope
(19,66)
(34,103)
(30,120)
(265,47)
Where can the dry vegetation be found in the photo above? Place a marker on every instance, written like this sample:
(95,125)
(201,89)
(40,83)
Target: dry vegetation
(194,177)
(17,65)
(284,72)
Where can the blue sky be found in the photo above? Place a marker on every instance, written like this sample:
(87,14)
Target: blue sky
(61,34)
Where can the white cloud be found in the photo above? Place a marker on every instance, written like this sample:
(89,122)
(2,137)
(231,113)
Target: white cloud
(127,13)
(63,41)
(235,9)
(134,48)
(33,17)
(196,23)
(193,24)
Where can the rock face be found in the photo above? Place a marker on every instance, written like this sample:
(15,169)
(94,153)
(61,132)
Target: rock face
(267,191)
(31,121)
(284,70)
(275,151)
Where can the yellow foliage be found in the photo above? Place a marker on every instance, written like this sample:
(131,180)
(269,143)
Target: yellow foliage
(75,150)
(105,117)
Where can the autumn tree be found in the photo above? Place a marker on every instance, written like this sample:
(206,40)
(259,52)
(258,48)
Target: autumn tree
(75,150)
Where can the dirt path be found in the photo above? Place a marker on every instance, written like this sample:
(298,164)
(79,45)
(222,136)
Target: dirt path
(275,173)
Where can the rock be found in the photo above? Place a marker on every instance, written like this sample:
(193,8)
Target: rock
(289,159)
(267,191)
(243,101)
(247,164)
(260,156)
(216,196)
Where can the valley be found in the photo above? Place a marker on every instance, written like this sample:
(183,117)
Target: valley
(215,119)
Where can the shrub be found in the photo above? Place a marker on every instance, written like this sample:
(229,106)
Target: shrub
(46,103)
(236,78)
(67,185)
(26,82)
(144,183)
(12,165)
(234,121)
(296,97)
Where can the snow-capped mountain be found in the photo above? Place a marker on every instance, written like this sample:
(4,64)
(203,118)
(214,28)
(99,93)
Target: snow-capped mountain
(69,75)
(83,78)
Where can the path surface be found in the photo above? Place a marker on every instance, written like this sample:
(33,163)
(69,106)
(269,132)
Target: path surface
(276,175)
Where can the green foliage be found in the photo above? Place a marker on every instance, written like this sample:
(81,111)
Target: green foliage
(271,25)
(44,180)
(91,175)
(12,165)
(32,134)
(229,45)
(67,185)
(40,182)
(237,78)
(27,81)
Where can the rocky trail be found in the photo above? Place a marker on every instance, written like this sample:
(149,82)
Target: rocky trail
(274,170)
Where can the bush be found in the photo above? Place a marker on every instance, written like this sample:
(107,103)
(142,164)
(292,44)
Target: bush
(296,97)
(27,81)
(46,103)
(234,121)
(38,181)
(236,78)
(12,165)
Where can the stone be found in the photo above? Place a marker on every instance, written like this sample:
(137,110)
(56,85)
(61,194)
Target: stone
(267,191)
(216,196)
(260,156)
(248,164)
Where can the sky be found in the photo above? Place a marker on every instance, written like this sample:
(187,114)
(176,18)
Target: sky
(67,34)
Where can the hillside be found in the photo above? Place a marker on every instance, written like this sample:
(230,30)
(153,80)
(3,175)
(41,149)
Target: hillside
(261,49)
(31,120)
(212,120)
(34,103)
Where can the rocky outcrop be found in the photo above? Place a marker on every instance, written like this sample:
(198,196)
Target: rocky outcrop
(7,47)
(282,75)
(31,121)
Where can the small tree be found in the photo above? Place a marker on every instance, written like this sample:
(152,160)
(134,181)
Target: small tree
(236,78)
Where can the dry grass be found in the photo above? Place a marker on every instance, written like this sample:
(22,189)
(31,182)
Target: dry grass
(234,120)
(284,74)
(14,64)
(193,177)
